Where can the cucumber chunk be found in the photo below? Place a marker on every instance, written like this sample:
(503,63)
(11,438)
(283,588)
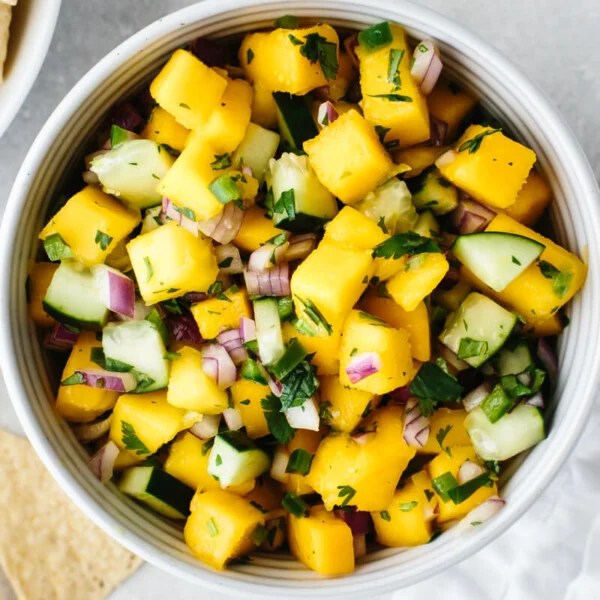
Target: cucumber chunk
(256,150)
(301,203)
(132,171)
(159,490)
(72,297)
(496,258)
(235,459)
(477,329)
(296,123)
(431,191)
(513,433)
(268,330)
(139,344)
(514,361)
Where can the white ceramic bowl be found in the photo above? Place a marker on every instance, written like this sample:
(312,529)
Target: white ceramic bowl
(31,31)
(505,92)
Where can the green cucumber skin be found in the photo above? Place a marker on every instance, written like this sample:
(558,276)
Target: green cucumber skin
(170,490)
(302,223)
(65,318)
(237,440)
(295,119)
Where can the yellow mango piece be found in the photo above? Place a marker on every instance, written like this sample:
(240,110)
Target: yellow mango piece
(346,72)
(303,440)
(188,462)
(324,348)
(264,109)
(444,463)
(421,275)
(450,103)
(331,279)
(451,299)
(39,279)
(407,121)
(246,396)
(142,423)
(532,200)
(322,542)
(415,322)
(363,334)
(215,314)
(188,89)
(493,172)
(407,521)
(535,297)
(354,229)
(81,403)
(170,261)
(547,327)
(191,388)
(226,125)
(85,217)
(344,406)
(164,129)
(268,495)
(418,158)
(220,527)
(370,468)
(256,229)
(274,60)
(449,426)
(348,157)
(125,460)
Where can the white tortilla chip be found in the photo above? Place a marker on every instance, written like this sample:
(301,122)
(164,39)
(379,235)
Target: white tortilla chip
(48,549)
(5,16)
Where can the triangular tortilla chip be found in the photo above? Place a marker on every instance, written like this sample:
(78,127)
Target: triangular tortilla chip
(48,549)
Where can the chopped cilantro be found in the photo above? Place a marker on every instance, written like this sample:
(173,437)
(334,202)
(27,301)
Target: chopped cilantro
(473,144)
(347,493)
(410,243)
(222,161)
(441,436)
(395,58)
(103,239)
(392,97)
(249,55)
(149,268)
(299,462)
(469,347)
(131,441)
(276,422)
(295,505)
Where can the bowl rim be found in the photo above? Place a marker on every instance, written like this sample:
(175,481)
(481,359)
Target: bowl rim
(31,54)
(579,168)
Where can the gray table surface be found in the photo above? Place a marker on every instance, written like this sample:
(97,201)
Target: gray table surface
(555,43)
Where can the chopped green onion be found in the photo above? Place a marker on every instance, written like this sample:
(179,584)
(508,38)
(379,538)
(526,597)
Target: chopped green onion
(225,189)
(295,505)
(294,354)
(56,248)
(496,404)
(376,36)
(118,135)
(443,484)
(299,462)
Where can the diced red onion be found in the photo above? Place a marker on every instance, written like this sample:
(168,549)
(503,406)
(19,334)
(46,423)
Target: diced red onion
(247,171)
(362,366)
(184,328)
(482,513)
(108,380)
(452,359)
(211,53)
(233,419)
(305,416)
(102,464)
(279,465)
(217,363)
(274,384)
(359,521)
(469,470)
(475,397)
(427,65)
(207,428)
(274,282)
(446,158)
(247,329)
(88,432)
(267,256)
(350,44)
(416,426)
(116,290)
(471,217)
(548,358)
(326,113)
(127,117)
(439,131)
(359,543)
(61,338)
(224,227)
(170,211)
(400,395)
(536,400)
(300,246)
(231,340)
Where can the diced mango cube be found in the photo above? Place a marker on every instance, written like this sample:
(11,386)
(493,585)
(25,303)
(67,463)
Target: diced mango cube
(331,279)
(450,103)
(164,129)
(395,105)
(547,327)
(323,348)
(188,89)
(348,157)
(256,229)
(365,334)
(444,463)
(246,396)
(264,109)
(447,430)
(80,403)
(274,59)
(532,200)
(193,389)
(92,223)
(365,475)
(220,527)
(418,158)
(142,423)
(303,440)
(489,166)
(355,229)
(421,275)
(415,322)
(218,314)
(346,72)
(344,407)
(40,277)
(322,541)
(170,261)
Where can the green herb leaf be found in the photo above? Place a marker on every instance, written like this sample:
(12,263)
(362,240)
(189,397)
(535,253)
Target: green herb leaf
(277,240)
(315,316)
(249,56)
(287,22)
(376,36)
(286,204)
(103,239)
(395,58)
(433,385)
(184,105)
(295,40)
(473,144)
(381,224)
(347,493)
(299,386)
(441,436)
(131,441)
(294,354)
(225,263)
(76,379)
(385,515)
(299,462)
(469,347)
(259,535)
(207,446)
(408,506)
(561,280)
(252,370)
(56,248)
(497,403)
(460,493)
(276,422)
(222,161)
(392,97)
(118,135)
(515,260)
(109,364)
(381,132)
(295,505)
(317,48)
(149,268)
(443,484)
(401,244)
